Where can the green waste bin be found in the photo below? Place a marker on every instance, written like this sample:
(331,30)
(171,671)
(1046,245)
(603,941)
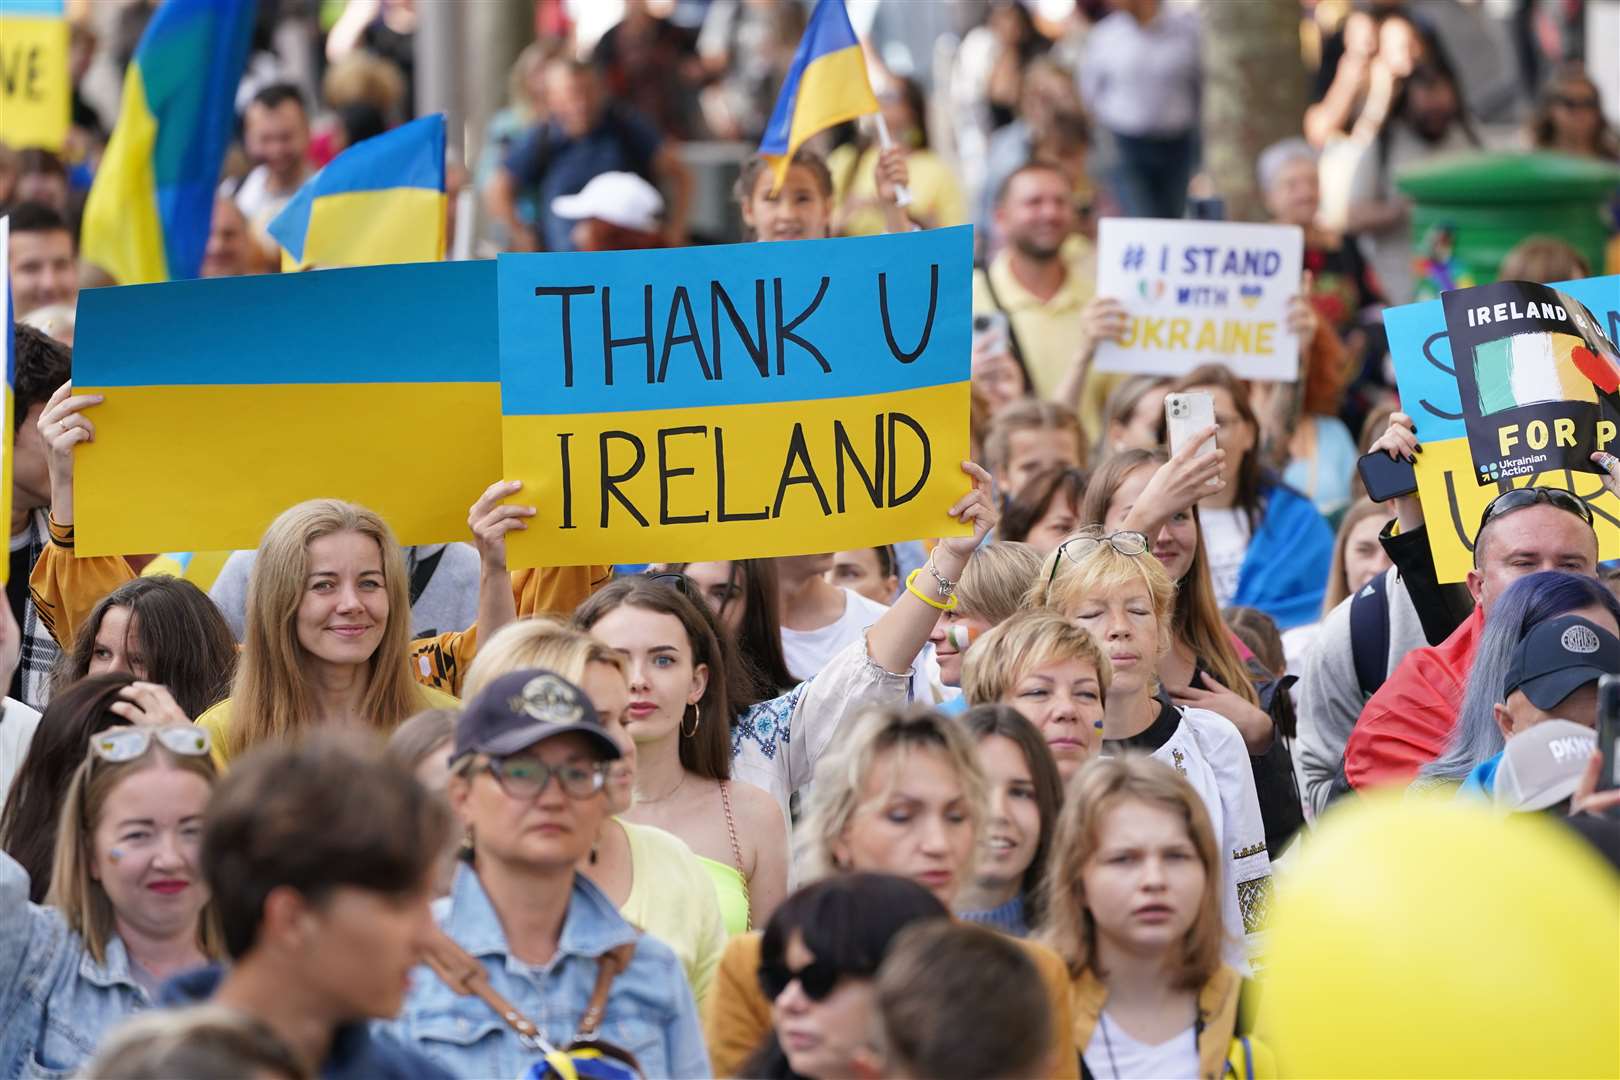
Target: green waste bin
(1491,201)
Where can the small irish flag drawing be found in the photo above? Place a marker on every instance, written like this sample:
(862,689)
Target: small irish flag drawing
(1527,369)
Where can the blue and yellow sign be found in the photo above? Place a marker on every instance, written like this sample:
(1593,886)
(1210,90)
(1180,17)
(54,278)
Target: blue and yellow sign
(736,402)
(35,87)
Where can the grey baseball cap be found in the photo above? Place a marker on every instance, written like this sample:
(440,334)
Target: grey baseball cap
(1543,766)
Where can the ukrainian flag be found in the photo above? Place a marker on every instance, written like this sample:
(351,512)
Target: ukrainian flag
(380,201)
(5,407)
(153,196)
(825,85)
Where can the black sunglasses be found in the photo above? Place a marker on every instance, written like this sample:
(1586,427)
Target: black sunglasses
(1519,498)
(817,980)
(679,582)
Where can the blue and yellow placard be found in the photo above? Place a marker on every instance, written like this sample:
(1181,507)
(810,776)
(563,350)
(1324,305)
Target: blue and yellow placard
(230,399)
(35,87)
(8,327)
(736,402)
(1449,485)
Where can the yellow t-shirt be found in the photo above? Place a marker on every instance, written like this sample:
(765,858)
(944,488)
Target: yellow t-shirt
(672,899)
(218,721)
(936,198)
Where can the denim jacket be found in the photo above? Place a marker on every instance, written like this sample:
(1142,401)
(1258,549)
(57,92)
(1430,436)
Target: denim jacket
(56,1002)
(650,1011)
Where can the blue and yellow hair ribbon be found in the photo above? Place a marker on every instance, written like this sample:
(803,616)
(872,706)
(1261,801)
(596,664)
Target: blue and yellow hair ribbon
(380,201)
(150,206)
(825,85)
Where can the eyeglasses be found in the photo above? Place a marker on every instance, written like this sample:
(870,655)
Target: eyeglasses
(1090,539)
(122,744)
(525,778)
(817,980)
(1519,498)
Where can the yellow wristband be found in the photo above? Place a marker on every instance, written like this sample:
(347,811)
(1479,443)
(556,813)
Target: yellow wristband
(911,587)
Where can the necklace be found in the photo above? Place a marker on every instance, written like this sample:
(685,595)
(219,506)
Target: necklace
(1108,1044)
(670,794)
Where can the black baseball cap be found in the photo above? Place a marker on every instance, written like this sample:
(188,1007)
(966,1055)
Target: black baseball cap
(522,708)
(1558,657)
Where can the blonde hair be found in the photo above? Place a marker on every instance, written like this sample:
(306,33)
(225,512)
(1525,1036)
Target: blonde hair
(273,697)
(1028,640)
(361,78)
(1337,587)
(996,580)
(1099,786)
(1030,414)
(842,774)
(74,892)
(540,642)
(1066,581)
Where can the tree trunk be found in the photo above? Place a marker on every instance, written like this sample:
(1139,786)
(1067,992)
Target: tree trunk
(1254,93)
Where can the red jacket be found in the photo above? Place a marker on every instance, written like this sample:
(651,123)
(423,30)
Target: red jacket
(1407,722)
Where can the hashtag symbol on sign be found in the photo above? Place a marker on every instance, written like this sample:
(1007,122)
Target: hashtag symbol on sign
(1135,256)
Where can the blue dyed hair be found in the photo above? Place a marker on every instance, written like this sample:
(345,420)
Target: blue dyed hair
(1525,604)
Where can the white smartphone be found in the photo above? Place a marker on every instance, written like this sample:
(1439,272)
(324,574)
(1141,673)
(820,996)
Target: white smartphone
(1187,414)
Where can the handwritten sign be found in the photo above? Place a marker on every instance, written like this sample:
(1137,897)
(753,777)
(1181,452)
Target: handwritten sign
(736,402)
(35,89)
(1200,293)
(1452,487)
(230,399)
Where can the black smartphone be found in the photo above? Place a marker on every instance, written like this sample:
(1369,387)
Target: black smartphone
(1608,728)
(1385,477)
(1212,208)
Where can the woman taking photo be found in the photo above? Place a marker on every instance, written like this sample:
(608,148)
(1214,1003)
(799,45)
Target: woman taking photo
(1135,911)
(1026,791)
(1052,673)
(902,794)
(128,907)
(650,875)
(528,782)
(697,728)
(819,959)
(1206,666)
(1117,592)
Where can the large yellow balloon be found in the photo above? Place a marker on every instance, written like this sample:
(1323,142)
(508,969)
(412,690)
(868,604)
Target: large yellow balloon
(1428,938)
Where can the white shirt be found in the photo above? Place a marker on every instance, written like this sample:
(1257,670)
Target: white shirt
(1174,1059)
(256,201)
(1143,80)
(1207,749)
(1226,543)
(17,726)
(808,651)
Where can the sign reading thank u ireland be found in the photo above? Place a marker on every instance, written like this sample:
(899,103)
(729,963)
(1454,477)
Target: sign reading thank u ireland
(736,402)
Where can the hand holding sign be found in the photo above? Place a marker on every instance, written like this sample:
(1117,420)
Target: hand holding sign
(64,426)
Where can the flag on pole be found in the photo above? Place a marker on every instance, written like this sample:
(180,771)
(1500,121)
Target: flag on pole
(826,85)
(380,201)
(11,349)
(150,205)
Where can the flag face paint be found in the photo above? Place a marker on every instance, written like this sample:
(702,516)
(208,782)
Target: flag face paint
(736,402)
(380,201)
(229,400)
(35,85)
(1517,393)
(826,84)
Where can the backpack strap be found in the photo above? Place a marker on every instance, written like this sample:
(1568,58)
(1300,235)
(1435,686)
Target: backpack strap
(1369,634)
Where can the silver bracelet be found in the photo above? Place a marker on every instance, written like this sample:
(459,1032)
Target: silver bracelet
(946,588)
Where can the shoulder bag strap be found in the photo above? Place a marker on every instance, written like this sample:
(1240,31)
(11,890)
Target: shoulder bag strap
(736,848)
(1012,334)
(462,972)
(608,967)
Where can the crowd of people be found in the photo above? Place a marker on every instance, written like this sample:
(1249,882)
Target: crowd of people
(1018,802)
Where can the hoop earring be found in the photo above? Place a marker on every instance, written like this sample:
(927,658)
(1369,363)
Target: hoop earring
(697,718)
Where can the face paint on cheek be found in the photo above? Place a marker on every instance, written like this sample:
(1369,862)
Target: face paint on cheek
(115,854)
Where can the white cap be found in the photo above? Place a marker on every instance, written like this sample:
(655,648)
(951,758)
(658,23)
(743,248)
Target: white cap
(618,198)
(1543,765)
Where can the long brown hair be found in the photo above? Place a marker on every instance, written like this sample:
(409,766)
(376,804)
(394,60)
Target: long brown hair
(983,721)
(1606,144)
(758,640)
(707,751)
(273,697)
(1337,587)
(75,891)
(1197,619)
(1099,786)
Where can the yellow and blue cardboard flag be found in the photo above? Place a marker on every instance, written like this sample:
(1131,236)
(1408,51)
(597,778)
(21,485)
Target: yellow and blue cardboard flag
(35,87)
(825,85)
(150,205)
(9,327)
(380,201)
(736,402)
(230,399)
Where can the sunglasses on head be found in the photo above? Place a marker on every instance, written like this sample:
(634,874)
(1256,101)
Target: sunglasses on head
(817,980)
(679,582)
(1076,548)
(1519,498)
(122,744)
